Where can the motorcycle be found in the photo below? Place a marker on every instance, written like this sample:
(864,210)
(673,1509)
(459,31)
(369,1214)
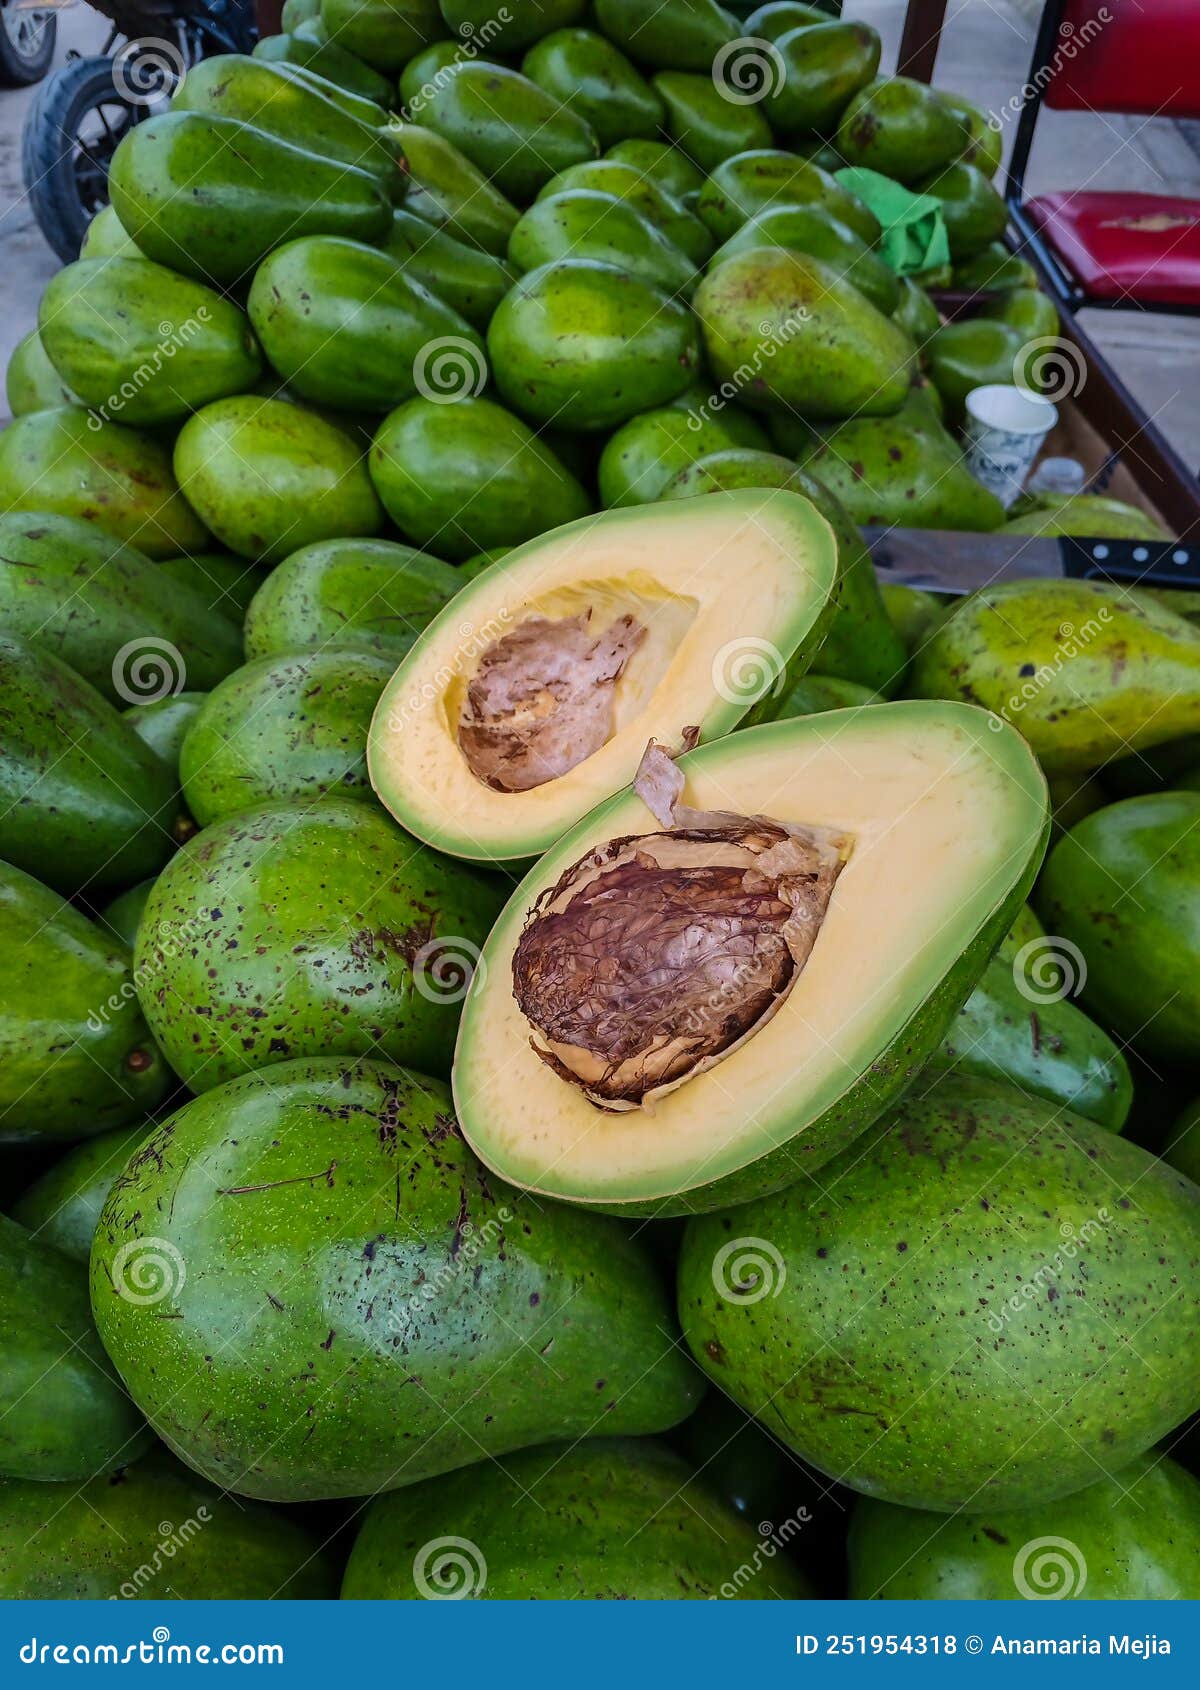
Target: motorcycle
(28,32)
(82,111)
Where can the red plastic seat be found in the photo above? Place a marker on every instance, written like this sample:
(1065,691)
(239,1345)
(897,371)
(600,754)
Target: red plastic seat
(1140,248)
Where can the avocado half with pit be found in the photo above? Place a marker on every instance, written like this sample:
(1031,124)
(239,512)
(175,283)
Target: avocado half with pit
(531,697)
(717,980)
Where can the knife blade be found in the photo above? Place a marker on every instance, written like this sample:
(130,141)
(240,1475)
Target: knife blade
(943,561)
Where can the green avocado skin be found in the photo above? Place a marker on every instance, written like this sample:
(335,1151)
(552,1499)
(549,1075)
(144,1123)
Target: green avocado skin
(467,280)
(67,462)
(63,1413)
(901,128)
(284,727)
(61,1208)
(447,190)
(607,1520)
(163,724)
(77,1055)
(224,582)
(517,28)
(984,1263)
(329,61)
(1041,1044)
(150,1532)
(646,192)
(513,131)
(383,33)
(765,178)
(1123,886)
(597,82)
(273,98)
(270,477)
(675,35)
(295,929)
(905,469)
(142,342)
(79,594)
(703,124)
(121,914)
(212,196)
(975,213)
(345,325)
(963,356)
(916,312)
(791,334)
(862,647)
(84,802)
(585,345)
(812,229)
(469,476)
(654,449)
(1134,1537)
(582,223)
(31,382)
(363,1307)
(663,164)
(373,594)
(824,65)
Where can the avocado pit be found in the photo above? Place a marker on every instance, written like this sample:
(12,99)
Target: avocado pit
(541,700)
(656,955)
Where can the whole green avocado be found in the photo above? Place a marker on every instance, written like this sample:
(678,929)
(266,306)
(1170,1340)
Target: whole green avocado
(790,333)
(78,593)
(608,1519)
(212,196)
(468,280)
(962,1313)
(75,463)
(586,346)
(301,929)
(1132,1537)
(589,74)
(150,1532)
(900,128)
(704,123)
(1086,669)
(671,35)
(84,803)
(31,383)
(469,476)
(513,131)
(63,1412)
(1123,889)
(383,33)
(582,223)
(281,727)
(363,1306)
(376,595)
(447,190)
(270,477)
(77,1055)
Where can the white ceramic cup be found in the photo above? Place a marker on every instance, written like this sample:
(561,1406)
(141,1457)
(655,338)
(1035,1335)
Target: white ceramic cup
(1004,431)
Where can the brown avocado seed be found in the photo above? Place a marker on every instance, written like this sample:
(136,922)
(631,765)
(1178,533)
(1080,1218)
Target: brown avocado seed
(541,700)
(655,955)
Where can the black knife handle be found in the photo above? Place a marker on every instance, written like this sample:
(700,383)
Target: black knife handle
(1153,563)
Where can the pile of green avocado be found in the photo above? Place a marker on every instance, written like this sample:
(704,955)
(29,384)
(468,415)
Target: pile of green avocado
(401,1198)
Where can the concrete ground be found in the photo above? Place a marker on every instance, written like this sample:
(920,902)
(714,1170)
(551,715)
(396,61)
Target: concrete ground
(985,55)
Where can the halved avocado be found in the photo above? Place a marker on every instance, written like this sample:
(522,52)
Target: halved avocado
(532,696)
(672,1019)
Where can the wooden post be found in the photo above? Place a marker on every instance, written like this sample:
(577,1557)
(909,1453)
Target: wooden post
(923,22)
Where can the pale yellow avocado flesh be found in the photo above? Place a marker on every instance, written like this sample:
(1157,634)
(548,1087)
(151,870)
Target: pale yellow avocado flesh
(726,588)
(947,809)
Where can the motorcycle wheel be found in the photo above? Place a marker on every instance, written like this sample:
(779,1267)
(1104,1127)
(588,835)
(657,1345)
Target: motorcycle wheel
(27,41)
(71,132)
